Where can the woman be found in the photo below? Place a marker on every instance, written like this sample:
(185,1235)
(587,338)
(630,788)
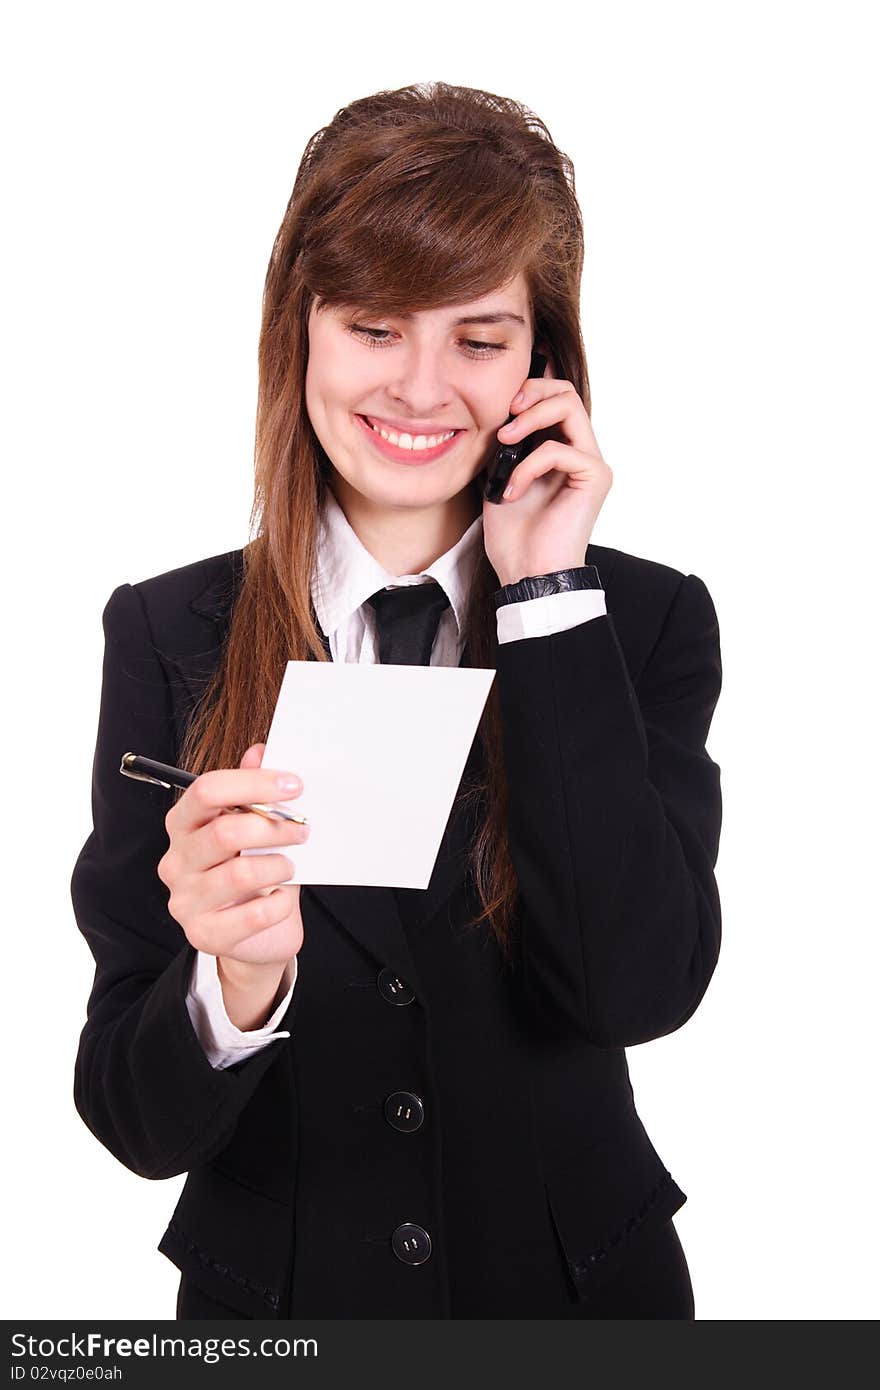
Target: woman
(404,1103)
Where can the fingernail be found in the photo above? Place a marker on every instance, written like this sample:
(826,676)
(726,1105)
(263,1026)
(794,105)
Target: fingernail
(288,783)
(520,395)
(508,491)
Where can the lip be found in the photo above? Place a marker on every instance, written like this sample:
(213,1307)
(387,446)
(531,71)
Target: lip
(413,457)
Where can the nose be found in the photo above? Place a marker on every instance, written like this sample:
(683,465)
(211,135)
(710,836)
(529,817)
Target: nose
(421,381)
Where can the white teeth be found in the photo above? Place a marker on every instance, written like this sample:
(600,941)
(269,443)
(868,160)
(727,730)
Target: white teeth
(406,441)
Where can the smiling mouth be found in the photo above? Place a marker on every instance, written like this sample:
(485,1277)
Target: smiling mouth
(402,439)
(406,448)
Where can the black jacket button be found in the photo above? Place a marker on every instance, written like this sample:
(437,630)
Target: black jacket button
(393,988)
(404,1111)
(411,1244)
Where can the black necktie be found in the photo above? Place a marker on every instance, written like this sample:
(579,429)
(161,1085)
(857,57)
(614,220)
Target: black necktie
(407,620)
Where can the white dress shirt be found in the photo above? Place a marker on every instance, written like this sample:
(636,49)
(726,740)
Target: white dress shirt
(346,575)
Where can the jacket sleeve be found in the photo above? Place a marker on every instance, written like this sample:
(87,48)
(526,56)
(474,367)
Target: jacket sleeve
(615,820)
(142,1082)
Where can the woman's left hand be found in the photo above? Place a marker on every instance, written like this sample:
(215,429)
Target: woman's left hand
(558,489)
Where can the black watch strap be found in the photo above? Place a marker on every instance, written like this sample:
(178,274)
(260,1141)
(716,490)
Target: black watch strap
(539,585)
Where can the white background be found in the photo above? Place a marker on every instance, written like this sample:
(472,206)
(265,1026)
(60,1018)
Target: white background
(724,166)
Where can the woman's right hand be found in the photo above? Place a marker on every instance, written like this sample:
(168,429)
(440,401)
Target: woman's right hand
(222,899)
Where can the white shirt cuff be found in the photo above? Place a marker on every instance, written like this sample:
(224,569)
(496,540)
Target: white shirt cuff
(539,617)
(223,1043)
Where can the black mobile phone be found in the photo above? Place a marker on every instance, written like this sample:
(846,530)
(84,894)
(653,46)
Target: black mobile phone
(507,456)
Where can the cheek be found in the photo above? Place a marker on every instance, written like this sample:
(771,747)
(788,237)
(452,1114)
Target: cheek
(491,409)
(312,394)
(491,406)
(324,386)
(337,381)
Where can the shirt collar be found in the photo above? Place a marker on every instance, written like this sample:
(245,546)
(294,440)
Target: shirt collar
(346,574)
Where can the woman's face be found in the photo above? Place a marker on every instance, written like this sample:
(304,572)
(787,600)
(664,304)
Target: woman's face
(419,377)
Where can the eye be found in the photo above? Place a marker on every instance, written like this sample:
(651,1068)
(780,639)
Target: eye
(372,338)
(483,349)
(368,333)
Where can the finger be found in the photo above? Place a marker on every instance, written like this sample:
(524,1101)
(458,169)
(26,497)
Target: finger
(561,407)
(225,787)
(224,837)
(534,388)
(581,470)
(220,933)
(242,878)
(253,756)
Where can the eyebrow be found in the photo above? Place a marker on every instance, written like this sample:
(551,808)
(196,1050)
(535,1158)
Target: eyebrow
(478,318)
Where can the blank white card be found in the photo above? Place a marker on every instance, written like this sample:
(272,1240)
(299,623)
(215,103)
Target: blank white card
(381,751)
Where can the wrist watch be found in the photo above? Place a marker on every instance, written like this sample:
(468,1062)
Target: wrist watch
(538,585)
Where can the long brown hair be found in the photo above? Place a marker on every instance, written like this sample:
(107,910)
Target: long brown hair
(408,200)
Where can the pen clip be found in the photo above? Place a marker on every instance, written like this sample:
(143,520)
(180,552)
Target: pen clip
(126,770)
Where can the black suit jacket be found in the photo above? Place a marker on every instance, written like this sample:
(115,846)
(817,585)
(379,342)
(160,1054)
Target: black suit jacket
(531,1172)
